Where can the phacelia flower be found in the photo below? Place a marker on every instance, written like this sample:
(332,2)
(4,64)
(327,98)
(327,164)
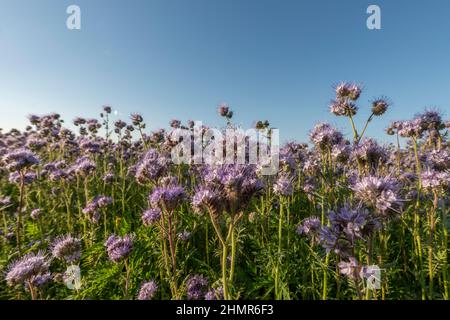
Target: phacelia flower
(196,287)
(118,248)
(67,248)
(148,290)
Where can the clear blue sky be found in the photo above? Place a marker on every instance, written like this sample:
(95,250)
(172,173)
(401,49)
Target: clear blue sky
(273,60)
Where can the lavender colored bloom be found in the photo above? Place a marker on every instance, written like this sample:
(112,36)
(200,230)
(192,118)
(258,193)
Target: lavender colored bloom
(5,201)
(284,185)
(168,196)
(309,227)
(214,294)
(434,180)
(28,177)
(341,152)
(439,159)
(84,166)
(107,109)
(35,214)
(118,248)
(370,152)
(148,290)
(19,159)
(378,192)
(93,207)
(349,269)
(67,248)
(223,110)
(40,281)
(196,287)
(136,119)
(151,166)
(151,216)
(27,268)
(324,135)
(343,108)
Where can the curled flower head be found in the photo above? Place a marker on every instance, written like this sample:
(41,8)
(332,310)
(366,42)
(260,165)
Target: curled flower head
(323,135)
(168,196)
(67,248)
(148,290)
(284,185)
(118,248)
(27,268)
(380,106)
(378,192)
(151,216)
(19,159)
(196,287)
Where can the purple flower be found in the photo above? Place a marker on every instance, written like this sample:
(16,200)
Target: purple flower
(196,287)
(27,268)
(324,135)
(35,213)
(214,294)
(379,192)
(84,166)
(151,167)
(19,159)
(309,227)
(151,216)
(118,248)
(67,248)
(434,180)
(148,290)
(380,106)
(370,152)
(349,269)
(168,196)
(284,185)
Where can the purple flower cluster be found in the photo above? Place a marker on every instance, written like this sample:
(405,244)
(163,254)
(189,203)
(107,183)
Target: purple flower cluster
(20,159)
(151,216)
(27,269)
(169,195)
(148,290)
(380,193)
(196,287)
(67,248)
(118,248)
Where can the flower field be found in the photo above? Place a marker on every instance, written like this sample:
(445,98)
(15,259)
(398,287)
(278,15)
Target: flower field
(344,218)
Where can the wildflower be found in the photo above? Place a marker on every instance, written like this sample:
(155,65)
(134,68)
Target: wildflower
(67,248)
(350,268)
(118,248)
(378,192)
(380,106)
(168,196)
(27,268)
(214,294)
(309,227)
(151,216)
(148,290)
(19,159)
(151,166)
(196,287)
(284,185)
(35,214)
(136,119)
(324,135)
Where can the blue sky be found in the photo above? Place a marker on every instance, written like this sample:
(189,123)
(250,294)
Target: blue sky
(267,59)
